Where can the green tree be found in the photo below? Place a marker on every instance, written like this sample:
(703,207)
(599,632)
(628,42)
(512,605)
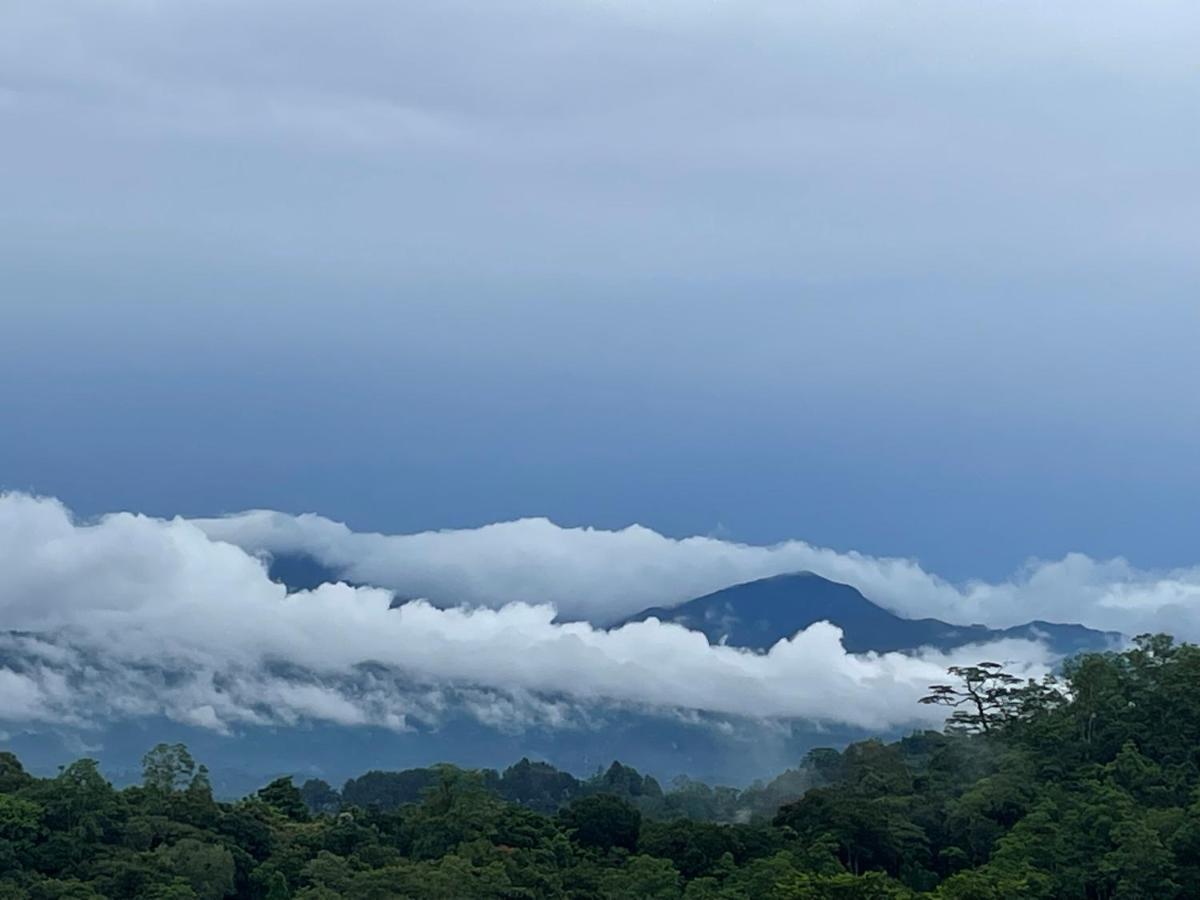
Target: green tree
(644,877)
(455,810)
(20,829)
(81,801)
(207,868)
(285,798)
(167,768)
(603,822)
(319,797)
(985,697)
(13,776)
(1141,867)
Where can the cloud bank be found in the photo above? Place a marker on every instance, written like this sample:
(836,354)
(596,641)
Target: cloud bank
(602,576)
(134,616)
(851,132)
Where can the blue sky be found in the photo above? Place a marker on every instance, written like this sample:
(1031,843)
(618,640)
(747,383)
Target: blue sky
(914,279)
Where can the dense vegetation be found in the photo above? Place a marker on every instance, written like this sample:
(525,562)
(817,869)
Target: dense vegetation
(1085,787)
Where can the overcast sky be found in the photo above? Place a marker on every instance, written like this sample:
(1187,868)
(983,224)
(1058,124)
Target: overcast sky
(912,278)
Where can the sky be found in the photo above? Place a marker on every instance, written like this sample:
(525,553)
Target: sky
(916,280)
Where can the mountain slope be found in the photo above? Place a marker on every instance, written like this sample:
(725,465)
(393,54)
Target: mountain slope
(759,613)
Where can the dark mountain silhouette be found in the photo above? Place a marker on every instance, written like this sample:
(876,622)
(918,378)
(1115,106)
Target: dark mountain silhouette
(759,613)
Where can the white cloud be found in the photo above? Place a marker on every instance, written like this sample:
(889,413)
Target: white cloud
(136,616)
(603,576)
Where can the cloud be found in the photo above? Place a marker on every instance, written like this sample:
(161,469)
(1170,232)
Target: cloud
(133,616)
(720,136)
(602,576)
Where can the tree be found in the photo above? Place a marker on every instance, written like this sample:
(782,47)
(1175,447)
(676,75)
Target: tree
(82,802)
(603,822)
(388,790)
(285,798)
(871,886)
(207,868)
(986,697)
(996,883)
(694,847)
(1139,863)
(869,834)
(327,870)
(272,884)
(643,877)
(13,776)
(63,889)
(167,768)
(20,827)
(319,797)
(455,810)
(538,785)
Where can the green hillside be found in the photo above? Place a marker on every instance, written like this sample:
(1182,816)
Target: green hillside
(1086,787)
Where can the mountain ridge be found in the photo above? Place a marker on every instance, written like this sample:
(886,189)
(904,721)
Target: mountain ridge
(757,614)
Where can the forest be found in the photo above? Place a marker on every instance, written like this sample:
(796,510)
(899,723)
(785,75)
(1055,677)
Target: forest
(1082,785)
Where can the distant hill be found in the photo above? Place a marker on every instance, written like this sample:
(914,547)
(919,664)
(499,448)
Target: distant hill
(759,613)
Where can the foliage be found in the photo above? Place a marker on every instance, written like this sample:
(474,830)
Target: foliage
(1086,788)
(603,822)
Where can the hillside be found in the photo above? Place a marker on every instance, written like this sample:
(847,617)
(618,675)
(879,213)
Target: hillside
(1073,789)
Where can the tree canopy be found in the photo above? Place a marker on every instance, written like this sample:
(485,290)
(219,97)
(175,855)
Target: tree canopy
(1084,787)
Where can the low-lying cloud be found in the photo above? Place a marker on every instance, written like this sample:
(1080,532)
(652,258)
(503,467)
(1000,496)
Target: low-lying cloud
(602,576)
(133,616)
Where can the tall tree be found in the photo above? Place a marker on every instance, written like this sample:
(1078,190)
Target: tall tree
(168,768)
(986,697)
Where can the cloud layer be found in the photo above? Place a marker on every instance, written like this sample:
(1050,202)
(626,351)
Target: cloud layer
(135,616)
(602,576)
(731,137)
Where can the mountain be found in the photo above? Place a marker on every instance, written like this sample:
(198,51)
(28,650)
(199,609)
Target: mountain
(759,613)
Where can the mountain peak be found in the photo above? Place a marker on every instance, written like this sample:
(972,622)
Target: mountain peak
(757,614)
